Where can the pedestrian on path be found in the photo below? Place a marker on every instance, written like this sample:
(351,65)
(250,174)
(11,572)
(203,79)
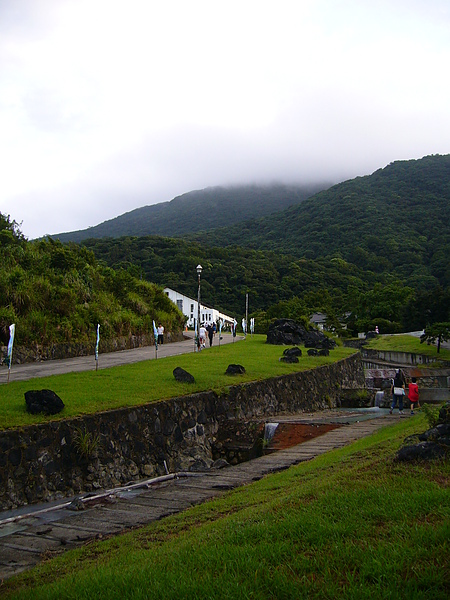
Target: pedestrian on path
(398,391)
(210,331)
(413,394)
(202,337)
(160,335)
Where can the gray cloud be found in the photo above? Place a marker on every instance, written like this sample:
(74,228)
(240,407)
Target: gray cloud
(105,107)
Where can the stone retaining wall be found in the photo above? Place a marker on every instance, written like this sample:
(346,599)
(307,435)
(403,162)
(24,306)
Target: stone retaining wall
(46,462)
(400,358)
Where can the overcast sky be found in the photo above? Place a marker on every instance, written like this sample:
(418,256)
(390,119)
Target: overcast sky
(109,105)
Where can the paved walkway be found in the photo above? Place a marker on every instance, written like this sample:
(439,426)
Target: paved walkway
(107,360)
(26,539)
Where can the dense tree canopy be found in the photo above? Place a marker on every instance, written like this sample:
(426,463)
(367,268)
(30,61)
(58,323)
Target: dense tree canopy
(372,251)
(393,221)
(278,285)
(57,294)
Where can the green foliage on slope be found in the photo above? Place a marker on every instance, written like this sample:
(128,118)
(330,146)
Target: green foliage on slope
(374,246)
(57,294)
(393,221)
(199,210)
(230,273)
(350,524)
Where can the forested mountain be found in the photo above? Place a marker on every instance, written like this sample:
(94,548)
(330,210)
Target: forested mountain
(199,211)
(375,246)
(396,221)
(57,294)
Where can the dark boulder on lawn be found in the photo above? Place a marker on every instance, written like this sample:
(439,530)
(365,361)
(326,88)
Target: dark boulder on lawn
(235,370)
(433,443)
(183,376)
(289,359)
(284,332)
(43,401)
(288,332)
(295,351)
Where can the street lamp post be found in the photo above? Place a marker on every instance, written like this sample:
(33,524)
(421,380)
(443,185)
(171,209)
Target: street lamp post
(199,272)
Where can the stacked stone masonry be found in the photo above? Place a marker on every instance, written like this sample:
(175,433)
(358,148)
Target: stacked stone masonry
(105,450)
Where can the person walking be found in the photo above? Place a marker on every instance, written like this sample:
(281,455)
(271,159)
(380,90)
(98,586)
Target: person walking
(413,394)
(202,336)
(160,334)
(210,331)
(398,391)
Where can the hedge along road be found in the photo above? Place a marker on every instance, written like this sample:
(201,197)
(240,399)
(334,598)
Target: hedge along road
(106,360)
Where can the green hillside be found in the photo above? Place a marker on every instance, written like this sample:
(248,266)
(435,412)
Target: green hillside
(199,211)
(393,221)
(375,246)
(56,294)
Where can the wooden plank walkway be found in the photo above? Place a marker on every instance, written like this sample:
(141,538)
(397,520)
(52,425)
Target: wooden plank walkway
(25,542)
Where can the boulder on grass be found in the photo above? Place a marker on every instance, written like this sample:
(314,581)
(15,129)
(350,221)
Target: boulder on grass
(183,376)
(295,351)
(235,370)
(285,332)
(434,443)
(313,352)
(43,401)
(422,451)
(290,333)
(289,358)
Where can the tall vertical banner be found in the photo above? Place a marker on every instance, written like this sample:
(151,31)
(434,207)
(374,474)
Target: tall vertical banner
(220,330)
(12,329)
(155,335)
(244,327)
(252,326)
(96,346)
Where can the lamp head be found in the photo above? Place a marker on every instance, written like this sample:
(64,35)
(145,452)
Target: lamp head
(199,270)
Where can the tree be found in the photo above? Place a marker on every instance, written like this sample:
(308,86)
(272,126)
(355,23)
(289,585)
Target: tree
(437,331)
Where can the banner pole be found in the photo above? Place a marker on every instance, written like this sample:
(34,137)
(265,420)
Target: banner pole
(12,329)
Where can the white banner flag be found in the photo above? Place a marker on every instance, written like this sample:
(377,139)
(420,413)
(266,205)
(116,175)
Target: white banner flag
(12,330)
(98,340)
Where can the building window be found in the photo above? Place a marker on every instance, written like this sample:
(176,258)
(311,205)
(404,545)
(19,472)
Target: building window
(180,304)
(192,308)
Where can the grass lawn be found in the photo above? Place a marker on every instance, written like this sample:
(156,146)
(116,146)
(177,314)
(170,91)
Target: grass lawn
(407,343)
(350,524)
(153,380)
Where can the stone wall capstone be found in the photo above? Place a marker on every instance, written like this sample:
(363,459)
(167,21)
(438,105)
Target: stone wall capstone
(101,451)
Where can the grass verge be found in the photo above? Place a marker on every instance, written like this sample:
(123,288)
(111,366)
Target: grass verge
(350,524)
(149,381)
(407,343)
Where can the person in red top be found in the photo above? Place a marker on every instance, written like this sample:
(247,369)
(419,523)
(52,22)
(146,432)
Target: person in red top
(413,393)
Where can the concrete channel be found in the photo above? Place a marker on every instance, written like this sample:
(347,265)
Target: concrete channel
(34,533)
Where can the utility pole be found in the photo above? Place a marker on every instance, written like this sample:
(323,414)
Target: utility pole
(246,312)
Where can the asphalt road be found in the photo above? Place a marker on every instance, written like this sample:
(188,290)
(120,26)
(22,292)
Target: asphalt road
(107,360)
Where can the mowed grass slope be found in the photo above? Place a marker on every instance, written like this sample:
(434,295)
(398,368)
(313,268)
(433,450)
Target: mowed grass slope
(352,524)
(408,343)
(149,381)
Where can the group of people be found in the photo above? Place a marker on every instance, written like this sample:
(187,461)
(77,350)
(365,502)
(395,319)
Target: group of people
(210,331)
(398,392)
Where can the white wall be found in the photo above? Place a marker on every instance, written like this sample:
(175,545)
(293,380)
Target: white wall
(189,307)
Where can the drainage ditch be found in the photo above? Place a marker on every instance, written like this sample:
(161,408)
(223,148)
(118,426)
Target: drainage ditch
(240,443)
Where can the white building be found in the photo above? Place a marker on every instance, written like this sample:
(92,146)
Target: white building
(189,307)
